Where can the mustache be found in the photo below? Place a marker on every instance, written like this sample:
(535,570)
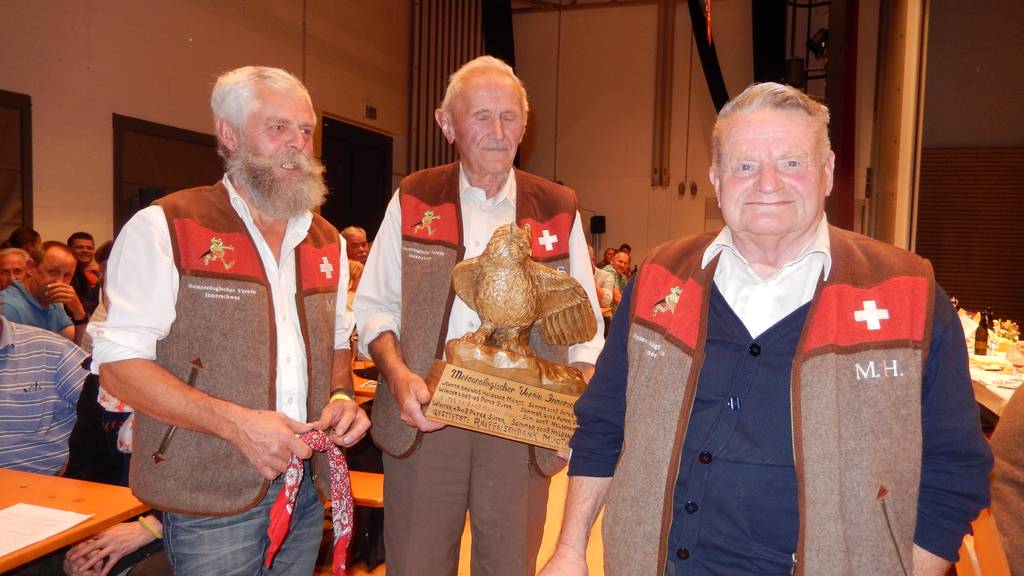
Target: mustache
(289,159)
(496,145)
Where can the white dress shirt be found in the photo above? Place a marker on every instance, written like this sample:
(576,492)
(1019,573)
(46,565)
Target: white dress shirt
(142,288)
(378,302)
(761,302)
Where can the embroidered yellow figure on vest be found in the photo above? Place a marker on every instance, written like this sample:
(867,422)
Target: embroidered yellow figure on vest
(217,252)
(668,303)
(428,217)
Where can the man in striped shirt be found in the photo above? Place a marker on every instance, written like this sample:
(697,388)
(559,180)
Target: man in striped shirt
(41,376)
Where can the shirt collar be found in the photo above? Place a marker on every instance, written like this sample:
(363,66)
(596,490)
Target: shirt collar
(21,288)
(470,192)
(818,244)
(7,338)
(242,209)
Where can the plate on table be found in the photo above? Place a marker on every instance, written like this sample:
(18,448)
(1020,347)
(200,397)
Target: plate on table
(1009,383)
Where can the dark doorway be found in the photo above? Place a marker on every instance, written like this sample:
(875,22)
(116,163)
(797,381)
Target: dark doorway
(358,165)
(15,162)
(152,159)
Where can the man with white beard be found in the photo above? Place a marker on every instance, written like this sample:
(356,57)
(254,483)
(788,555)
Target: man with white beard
(228,335)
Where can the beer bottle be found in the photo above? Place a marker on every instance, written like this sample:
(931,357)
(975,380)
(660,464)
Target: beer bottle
(981,335)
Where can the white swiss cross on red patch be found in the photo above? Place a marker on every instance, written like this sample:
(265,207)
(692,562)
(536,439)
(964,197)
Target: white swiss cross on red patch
(318,266)
(871,315)
(550,238)
(892,310)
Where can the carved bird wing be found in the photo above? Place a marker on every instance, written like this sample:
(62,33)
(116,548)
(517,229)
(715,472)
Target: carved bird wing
(564,307)
(465,277)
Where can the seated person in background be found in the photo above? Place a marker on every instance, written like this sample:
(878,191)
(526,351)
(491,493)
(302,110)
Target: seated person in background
(13,264)
(619,269)
(85,279)
(41,377)
(100,313)
(355,272)
(99,554)
(608,253)
(356,244)
(101,447)
(1008,481)
(40,300)
(604,282)
(25,238)
(628,250)
(100,451)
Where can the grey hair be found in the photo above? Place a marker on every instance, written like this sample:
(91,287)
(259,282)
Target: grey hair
(478,67)
(352,230)
(5,252)
(235,91)
(774,96)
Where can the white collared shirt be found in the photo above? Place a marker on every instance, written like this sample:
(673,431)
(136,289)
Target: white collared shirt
(378,302)
(142,287)
(761,302)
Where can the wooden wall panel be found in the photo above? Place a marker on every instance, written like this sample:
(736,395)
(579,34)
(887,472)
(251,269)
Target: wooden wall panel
(446,34)
(969,224)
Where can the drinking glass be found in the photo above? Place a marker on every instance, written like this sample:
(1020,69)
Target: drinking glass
(1015,356)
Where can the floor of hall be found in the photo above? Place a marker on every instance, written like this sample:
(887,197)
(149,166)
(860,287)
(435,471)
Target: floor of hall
(556,502)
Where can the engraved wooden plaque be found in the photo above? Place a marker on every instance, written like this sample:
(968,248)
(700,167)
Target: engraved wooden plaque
(500,407)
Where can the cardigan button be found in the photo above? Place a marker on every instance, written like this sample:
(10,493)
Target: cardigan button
(754,349)
(704,457)
(682,553)
(690,507)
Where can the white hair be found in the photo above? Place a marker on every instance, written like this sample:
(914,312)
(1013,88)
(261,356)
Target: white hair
(773,96)
(478,67)
(235,91)
(12,251)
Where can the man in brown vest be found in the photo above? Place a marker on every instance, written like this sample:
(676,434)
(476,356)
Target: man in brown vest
(779,397)
(406,310)
(1008,481)
(227,333)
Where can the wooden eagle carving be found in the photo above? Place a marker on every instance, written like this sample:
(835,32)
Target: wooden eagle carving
(510,292)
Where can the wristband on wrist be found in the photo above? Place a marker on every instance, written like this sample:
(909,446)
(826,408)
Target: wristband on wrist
(149,529)
(84,320)
(340,395)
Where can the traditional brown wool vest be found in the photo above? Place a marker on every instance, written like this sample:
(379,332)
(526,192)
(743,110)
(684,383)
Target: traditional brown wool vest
(855,390)
(223,342)
(432,244)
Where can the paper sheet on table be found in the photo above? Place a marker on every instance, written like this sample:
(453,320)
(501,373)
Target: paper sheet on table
(25,524)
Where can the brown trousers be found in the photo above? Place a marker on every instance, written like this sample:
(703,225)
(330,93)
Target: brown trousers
(427,495)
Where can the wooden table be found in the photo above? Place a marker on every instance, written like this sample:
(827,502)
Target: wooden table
(364,388)
(108,505)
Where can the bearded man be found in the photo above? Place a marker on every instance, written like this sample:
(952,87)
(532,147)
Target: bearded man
(217,335)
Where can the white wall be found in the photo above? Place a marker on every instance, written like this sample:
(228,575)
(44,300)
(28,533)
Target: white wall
(590,75)
(80,62)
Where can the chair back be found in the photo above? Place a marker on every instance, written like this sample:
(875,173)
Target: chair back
(967,565)
(982,554)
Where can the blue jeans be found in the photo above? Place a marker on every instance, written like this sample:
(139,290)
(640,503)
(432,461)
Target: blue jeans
(235,545)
